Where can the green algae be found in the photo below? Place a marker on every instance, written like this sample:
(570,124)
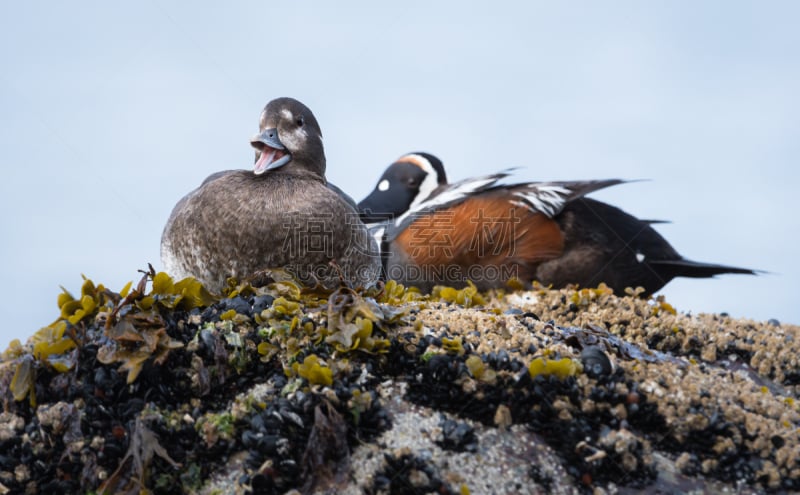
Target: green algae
(313,370)
(468,297)
(135,329)
(561,368)
(453,346)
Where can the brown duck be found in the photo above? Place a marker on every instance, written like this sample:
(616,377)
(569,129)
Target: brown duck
(282,214)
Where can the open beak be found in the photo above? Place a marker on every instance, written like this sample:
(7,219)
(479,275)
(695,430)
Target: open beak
(272,153)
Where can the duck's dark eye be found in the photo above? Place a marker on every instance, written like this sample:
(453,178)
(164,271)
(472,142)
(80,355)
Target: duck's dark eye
(412,183)
(300,121)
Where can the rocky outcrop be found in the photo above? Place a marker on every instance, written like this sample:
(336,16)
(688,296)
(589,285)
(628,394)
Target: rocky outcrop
(166,388)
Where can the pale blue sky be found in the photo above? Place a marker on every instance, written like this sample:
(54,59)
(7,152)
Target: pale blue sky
(110,113)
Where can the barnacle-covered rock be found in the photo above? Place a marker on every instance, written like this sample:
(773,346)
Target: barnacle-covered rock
(272,387)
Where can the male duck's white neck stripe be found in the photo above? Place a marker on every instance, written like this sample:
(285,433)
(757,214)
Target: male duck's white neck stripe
(429,183)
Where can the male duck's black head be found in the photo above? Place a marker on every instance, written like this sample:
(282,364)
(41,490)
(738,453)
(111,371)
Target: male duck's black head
(288,134)
(408,181)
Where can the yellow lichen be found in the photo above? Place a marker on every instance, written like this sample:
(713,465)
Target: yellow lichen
(515,284)
(234,288)
(582,297)
(468,297)
(228,315)
(185,294)
(353,321)
(562,368)
(453,346)
(13,351)
(357,335)
(50,342)
(661,305)
(22,384)
(313,370)
(282,306)
(394,293)
(92,299)
(267,350)
(478,369)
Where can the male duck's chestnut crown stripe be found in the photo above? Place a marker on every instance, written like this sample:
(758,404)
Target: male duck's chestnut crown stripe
(557,236)
(240,222)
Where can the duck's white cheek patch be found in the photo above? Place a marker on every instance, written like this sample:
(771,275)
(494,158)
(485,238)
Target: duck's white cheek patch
(383,185)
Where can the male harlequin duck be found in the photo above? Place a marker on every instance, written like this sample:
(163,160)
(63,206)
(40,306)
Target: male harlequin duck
(432,232)
(281,214)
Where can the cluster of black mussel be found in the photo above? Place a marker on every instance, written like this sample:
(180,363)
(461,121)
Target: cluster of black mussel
(118,437)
